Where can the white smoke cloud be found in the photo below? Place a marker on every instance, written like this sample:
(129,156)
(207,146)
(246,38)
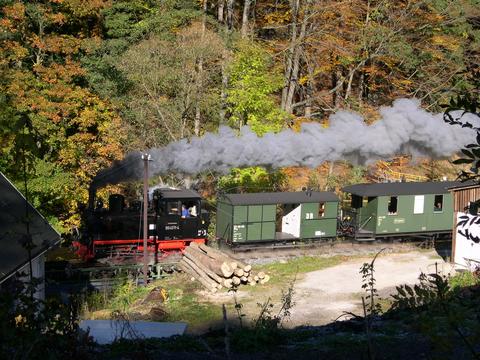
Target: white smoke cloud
(404,128)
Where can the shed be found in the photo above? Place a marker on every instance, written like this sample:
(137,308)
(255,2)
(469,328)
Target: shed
(254,217)
(466,244)
(14,257)
(386,209)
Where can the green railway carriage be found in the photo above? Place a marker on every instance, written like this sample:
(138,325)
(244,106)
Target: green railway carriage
(267,217)
(403,208)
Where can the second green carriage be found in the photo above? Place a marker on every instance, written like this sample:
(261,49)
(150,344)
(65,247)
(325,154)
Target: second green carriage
(401,209)
(267,217)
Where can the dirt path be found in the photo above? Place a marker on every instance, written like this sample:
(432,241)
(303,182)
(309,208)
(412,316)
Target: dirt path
(322,296)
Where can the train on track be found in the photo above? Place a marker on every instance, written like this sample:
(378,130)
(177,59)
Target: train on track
(176,218)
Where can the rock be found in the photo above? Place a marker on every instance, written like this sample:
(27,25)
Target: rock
(157,314)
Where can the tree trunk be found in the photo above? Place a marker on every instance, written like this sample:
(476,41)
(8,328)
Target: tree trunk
(294,54)
(230,5)
(349,85)
(337,97)
(295,5)
(360,87)
(246,10)
(197,120)
(223,91)
(220,10)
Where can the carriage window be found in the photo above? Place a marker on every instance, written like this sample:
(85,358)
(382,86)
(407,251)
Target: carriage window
(438,203)
(392,205)
(172,208)
(321,210)
(356,201)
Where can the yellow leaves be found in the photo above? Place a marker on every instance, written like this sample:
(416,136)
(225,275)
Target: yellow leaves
(303,80)
(445,41)
(402,84)
(389,61)
(20,320)
(277,17)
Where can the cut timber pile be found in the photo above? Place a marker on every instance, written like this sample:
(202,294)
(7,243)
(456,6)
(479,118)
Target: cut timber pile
(215,269)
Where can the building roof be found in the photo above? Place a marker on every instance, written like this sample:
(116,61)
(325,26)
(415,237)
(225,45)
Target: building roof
(300,197)
(179,194)
(401,188)
(13,230)
(470,184)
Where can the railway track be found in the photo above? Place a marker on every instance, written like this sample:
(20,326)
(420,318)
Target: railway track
(269,252)
(63,277)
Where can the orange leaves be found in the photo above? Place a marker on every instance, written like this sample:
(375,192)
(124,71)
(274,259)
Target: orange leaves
(15,11)
(447,42)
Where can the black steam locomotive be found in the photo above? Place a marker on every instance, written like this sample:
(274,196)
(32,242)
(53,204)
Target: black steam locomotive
(175,219)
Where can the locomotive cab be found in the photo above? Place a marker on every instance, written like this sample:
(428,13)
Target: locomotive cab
(179,215)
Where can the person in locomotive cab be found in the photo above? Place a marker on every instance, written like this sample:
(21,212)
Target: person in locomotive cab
(185,212)
(193,211)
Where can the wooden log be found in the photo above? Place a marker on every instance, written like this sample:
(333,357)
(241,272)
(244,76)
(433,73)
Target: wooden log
(236,280)
(220,268)
(217,254)
(238,272)
(209,272)
(256,278)
(202,277)
(261,275)
(227,283)
(244,279)
(201,273)
(265,279)
(192,272)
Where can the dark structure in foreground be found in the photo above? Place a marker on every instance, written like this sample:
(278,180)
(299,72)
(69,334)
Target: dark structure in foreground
(25,236)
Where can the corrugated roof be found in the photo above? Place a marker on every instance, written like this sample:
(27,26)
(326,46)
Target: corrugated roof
(401,188)
(179,194)
(280,198)
(13,256)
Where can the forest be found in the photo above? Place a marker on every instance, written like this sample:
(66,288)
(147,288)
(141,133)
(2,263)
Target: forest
(84,82)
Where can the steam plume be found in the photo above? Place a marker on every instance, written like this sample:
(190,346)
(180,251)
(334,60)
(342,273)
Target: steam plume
(404,128)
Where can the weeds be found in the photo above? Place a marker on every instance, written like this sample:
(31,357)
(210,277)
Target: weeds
(367,270)
(441,313)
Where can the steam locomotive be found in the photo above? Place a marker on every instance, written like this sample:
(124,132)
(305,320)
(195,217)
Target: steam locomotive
(175,218)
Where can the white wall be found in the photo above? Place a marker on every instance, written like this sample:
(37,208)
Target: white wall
(38,270)
(467,241)
(291,222)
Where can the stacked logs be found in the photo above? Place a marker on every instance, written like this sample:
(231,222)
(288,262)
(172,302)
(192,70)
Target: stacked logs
(216,270)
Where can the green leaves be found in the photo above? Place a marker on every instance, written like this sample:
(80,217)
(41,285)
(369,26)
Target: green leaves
(252,85)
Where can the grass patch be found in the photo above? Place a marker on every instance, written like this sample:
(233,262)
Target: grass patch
(283,272)
(185,304)
(463,279)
